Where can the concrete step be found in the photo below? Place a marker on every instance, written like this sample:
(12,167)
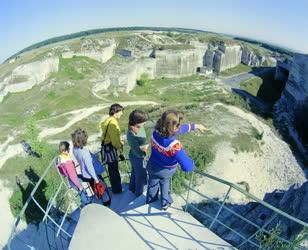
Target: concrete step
(101,228)
(171,229)
(120,201)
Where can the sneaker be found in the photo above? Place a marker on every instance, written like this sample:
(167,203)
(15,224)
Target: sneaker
(165,207)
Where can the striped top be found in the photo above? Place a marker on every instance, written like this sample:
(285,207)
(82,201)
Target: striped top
(168,152)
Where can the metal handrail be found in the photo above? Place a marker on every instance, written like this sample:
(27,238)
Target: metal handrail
(189,189)
(50,203)
(254,198)
(222,206)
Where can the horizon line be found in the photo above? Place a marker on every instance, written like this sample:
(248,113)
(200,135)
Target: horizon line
(154,28)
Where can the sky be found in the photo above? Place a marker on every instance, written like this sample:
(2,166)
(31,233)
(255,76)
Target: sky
(25,22)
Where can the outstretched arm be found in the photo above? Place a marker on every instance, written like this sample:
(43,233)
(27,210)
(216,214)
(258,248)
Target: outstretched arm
(187,164)
(185,128)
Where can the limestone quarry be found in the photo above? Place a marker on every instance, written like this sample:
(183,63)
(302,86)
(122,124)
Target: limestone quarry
(69,84)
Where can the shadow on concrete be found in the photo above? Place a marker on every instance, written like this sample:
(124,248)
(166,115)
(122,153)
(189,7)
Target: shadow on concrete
(171,228)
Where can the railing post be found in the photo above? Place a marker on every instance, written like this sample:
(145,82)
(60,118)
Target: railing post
(52,201)
(222,204)
(188,191)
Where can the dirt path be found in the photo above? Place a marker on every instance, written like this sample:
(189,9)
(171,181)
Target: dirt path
(8,151)
(80,114)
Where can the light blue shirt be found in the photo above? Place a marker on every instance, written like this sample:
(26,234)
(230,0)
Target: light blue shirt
(84,158)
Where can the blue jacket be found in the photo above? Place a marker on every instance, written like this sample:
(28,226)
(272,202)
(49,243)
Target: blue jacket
(168,152)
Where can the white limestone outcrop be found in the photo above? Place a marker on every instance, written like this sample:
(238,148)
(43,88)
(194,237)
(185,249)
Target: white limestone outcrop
(223,57)
(31,74)
(123,77)
(249,57)
(178,63)
(226,57)
(102,55)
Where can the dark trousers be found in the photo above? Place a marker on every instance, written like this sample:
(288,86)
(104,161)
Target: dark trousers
(159,178)
(138,177)
(114,176)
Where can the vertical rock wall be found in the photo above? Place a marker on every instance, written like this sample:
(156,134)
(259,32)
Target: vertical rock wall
(178,63)
(291,109)
(226,57)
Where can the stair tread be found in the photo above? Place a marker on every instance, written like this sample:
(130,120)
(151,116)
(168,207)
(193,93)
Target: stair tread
(171,229)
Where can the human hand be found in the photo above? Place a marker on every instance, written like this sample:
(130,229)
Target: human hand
(144,148)
(201,128)
(123,139)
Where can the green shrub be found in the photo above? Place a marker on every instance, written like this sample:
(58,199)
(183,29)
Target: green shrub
(28,173)
(144,80)
(256,134)
(252,85)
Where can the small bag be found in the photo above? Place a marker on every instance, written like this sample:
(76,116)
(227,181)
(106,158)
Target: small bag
(99,189)
(108,152)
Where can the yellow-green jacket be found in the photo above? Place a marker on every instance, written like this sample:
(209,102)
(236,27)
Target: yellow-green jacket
(113,133)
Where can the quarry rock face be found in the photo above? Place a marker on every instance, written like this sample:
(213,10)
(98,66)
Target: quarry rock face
(282,70)
(124,77)
(291,109)
(250,58)
(227,56)
(223,57)
(102,55)
(25,76)
(209,57)
(178,63)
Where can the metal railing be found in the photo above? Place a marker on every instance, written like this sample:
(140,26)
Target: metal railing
(248,241)
(57,227)
(51,222)
(64,235)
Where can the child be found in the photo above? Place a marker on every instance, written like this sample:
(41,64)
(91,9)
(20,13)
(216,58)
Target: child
(91,169)
(166,153)
(136,139)
(66,167)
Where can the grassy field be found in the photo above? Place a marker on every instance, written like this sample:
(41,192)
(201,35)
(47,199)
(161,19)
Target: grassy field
(77,67)
(252,85)
(239,69)
(192,95)
(57,100)
(70,89)
(264,86)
